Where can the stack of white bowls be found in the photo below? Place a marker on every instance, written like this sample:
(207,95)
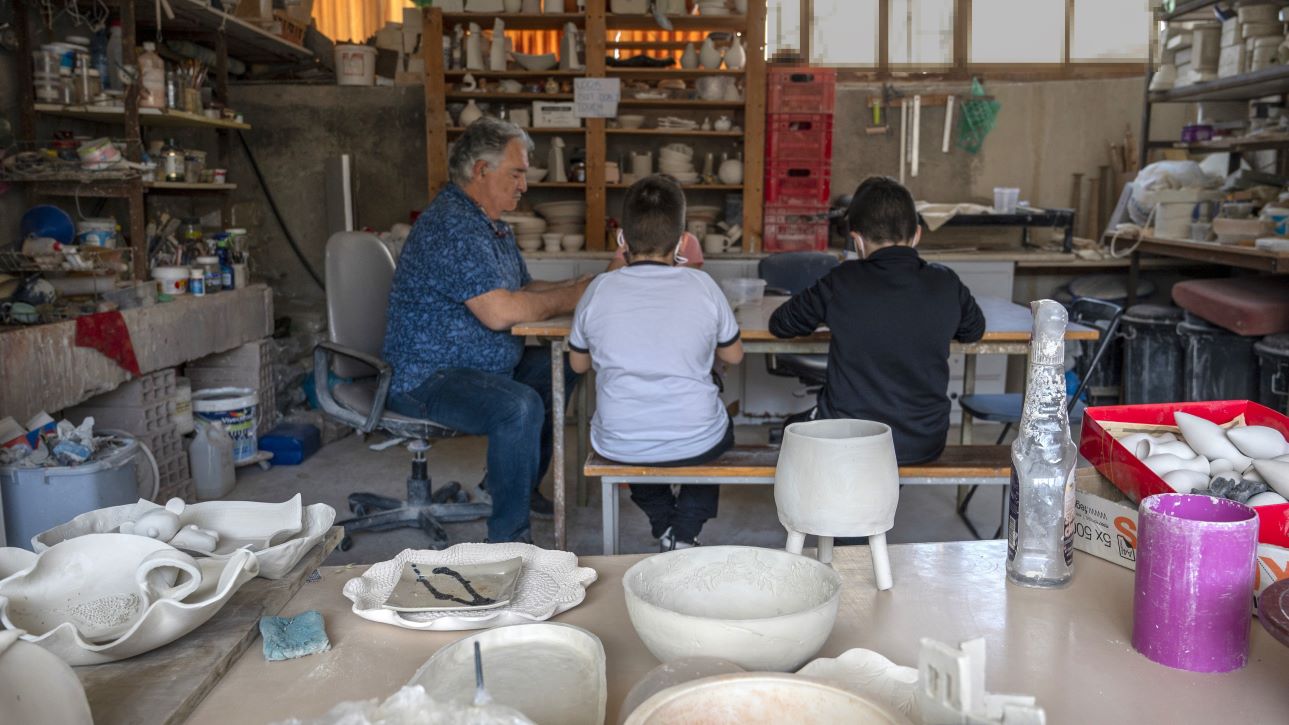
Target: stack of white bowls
(713,7)
(705,214)
(677,160)
(528,228)
(564,217)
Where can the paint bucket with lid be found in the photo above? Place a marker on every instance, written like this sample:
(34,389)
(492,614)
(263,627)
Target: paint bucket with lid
(235,408)
(355,65)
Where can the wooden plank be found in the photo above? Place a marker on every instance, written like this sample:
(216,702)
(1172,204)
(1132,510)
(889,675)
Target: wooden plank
(1233,255)
(596,143)
(754,124)
(165,685)
(755,461)
(436,107)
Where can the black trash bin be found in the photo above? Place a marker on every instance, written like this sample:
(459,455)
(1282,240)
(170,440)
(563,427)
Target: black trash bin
(1273,362)
(1152,354)
(1220,365)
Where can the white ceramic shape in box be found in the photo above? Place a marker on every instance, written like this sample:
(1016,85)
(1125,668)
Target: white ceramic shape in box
(1209,439)
(1258,441)
(762,609)
(552,673)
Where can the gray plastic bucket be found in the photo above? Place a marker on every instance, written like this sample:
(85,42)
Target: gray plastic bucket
(36,499)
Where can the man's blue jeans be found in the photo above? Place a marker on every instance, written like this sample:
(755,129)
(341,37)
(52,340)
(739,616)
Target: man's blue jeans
(514,412)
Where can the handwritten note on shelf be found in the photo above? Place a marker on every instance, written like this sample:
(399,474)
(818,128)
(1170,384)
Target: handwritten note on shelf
(597,97)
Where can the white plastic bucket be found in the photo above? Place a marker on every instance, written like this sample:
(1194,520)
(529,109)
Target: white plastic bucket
(172,280)
(355,65)
(235,408)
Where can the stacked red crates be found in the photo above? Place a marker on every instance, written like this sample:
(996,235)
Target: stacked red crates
(798,158)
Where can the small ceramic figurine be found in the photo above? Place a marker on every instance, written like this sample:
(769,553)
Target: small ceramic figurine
(709,57)
(735,57)
(497,53)
(552,86)
(689,59)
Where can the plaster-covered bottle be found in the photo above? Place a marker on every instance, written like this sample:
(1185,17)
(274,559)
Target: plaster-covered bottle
(1040,512)
(152,70)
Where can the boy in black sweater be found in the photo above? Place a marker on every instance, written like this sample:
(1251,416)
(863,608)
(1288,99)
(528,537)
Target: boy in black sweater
(892,316)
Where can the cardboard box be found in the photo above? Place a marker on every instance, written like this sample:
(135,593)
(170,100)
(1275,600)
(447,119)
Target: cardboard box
(1103,425)
(1105,526)
(555,114)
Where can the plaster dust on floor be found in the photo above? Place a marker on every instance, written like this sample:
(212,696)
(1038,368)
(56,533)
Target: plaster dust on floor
(747,514)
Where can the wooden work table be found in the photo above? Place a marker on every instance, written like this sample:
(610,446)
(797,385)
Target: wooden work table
(1071,648)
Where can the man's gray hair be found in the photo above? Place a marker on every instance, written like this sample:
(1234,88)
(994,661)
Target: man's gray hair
(486,139)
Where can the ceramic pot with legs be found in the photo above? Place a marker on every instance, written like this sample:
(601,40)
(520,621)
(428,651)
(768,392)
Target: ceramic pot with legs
(838,478)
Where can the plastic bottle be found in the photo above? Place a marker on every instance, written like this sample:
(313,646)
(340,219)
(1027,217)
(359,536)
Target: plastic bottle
(1040,512)
(98,54)
(225,263)
(153,71)
(211,457)
(115,58)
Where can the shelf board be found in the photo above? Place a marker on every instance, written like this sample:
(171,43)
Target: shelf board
(556,185)
(167,117)
(179,186)
(246,41)
(1261,141)
(1234,255)
(1268,81)
(533,131)
(677,103)
(467,95)
(515,21)
(652,73)
(516,73)
(673,132)
(690,187)
(678,22)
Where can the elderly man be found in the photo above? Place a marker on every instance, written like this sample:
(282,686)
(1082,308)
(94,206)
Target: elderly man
(461,285)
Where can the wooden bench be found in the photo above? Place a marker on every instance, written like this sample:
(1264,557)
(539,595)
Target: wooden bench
(958,465)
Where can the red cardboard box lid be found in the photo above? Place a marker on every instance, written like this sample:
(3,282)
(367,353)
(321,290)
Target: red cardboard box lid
(1131,476)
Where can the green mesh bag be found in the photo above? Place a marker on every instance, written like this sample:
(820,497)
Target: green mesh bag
(977,119)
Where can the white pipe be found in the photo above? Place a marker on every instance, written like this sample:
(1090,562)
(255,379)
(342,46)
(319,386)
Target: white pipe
(904,110)
(917,131)
(948,124)
(881,562)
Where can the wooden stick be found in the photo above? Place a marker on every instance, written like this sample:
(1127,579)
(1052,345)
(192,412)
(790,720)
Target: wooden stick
(1076,198)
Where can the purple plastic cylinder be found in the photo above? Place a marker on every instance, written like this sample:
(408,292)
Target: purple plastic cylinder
(1193,602)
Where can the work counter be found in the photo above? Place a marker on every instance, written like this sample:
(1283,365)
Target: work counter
(1069,647)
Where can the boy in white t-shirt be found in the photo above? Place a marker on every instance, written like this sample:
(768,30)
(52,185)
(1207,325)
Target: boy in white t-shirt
(652,331)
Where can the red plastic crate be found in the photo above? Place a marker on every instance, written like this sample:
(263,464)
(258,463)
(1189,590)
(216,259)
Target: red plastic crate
(798,184)
(1130,475)
(798,136)
(801,90)
(795,229)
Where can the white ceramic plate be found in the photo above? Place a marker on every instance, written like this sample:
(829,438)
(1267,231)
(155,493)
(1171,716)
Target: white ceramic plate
(552,673)
(551,582)
(424,587)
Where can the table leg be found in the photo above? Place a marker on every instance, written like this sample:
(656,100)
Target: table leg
(964,430)
(608,516)
(583,417)
(557,435)
(1134,271)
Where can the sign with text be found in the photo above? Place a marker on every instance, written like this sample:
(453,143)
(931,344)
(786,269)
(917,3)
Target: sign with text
(597,97)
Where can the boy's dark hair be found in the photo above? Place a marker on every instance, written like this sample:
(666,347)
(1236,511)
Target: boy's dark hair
(653,216)
(882,211)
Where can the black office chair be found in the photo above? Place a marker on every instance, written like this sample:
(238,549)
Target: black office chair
(360,270)
(1006,408)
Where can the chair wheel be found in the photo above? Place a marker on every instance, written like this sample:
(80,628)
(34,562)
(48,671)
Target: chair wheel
(358,510)
(346,543)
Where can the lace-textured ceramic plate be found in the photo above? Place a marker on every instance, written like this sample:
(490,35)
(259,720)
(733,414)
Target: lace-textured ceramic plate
(550,582)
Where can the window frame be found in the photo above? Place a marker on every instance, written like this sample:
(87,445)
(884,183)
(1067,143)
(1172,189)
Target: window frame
(961,68)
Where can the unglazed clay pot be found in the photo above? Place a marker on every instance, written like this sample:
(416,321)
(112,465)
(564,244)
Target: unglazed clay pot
(1258,441)
(762,609)
(37,687)
(838,478)
(1209,440)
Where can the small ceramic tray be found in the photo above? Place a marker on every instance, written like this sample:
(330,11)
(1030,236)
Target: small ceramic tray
(427,587)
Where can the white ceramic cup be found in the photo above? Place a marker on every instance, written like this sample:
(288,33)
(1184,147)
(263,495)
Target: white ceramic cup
(697,228)
(716,244)
(573,242)
(552,240)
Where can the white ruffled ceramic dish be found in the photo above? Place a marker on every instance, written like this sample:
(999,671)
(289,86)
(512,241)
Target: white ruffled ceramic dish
(46,595)
(274,561)
(868,674)
(552,673)
(551,582)
(37,687)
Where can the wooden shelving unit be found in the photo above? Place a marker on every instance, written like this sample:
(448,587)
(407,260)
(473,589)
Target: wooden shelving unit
(162,117)
(603,143)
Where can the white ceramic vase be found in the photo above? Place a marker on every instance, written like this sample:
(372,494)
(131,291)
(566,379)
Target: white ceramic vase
(497,52)
(1150,447)
(735,56)
(1275,474)
(1258,441)
(568,58)
(1167,462)
(709,57)
(731,171)
(555,160)
(689,59)
(469,114)
(838,478)
(1209,440)
(37,687)
(474,48)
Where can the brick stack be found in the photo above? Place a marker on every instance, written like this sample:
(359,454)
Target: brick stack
(798,158)
(144,407)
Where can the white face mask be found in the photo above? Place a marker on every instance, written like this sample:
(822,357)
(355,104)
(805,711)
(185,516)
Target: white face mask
(859,245)
(680,261)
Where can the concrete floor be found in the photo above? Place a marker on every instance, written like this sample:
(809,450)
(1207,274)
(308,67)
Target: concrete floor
(747,513)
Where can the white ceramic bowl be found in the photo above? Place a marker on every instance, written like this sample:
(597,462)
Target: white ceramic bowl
(573,242)
(535,174)
(757,698)
(631,121)
(546,61)
(763,609)
(530,243)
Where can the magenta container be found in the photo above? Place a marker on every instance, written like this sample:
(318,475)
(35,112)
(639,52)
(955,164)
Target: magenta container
(1193,603)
